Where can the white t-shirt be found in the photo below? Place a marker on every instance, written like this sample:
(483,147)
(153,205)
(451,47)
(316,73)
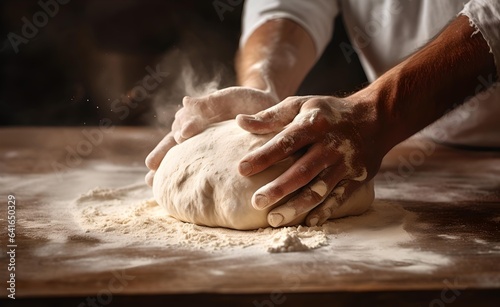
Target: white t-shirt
(384,32)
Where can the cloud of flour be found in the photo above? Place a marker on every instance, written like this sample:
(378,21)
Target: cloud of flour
(188,77)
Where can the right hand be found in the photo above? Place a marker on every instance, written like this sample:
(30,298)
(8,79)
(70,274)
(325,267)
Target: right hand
(198,113)
(341,154)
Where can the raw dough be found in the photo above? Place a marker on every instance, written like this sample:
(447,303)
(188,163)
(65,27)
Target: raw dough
(198,180)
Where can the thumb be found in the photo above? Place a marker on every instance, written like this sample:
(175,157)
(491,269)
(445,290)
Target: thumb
(272,119)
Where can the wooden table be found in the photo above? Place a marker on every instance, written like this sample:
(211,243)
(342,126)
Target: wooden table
(452,191)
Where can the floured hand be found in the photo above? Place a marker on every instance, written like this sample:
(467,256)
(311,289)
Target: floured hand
(337,139)
(198,113)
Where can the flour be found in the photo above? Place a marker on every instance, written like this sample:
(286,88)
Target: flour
(448,237)
(129,216)
(297,239)
(289,242)
(123,214)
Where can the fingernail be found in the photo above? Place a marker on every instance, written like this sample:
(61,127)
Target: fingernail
(261,201)
(313,222)
(245,168)
(250,116)
(320,188)
(275,219)
(282,215)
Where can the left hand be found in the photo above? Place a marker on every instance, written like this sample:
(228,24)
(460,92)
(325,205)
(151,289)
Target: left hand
(337,136)
(198,113)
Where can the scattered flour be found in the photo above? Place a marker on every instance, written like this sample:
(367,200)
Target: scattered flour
(297,239)
(127,216)
(480,241)
(123,214)
(449,237)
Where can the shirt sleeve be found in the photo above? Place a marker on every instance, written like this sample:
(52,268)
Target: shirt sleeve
(315,16)
(484,15)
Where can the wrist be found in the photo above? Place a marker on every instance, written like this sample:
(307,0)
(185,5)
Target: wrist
(257,80)
(376,121)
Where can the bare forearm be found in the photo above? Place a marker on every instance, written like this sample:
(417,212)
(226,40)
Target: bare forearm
(276,57)
(435,79)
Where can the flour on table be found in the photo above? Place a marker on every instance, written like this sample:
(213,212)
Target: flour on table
(297,239)
(111,213)
(129,216)
(448,237)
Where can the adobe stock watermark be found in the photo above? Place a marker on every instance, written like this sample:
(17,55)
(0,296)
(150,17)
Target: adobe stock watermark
(94,137)
(31,28)
(104,297)
(363,37)
(223,6)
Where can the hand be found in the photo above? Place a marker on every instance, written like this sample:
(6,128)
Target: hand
(340,156)
(198,113)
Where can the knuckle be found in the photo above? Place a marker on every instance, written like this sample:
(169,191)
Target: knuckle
(359,174)
(285,144)
(290,99)
(276,192)
(259,160)
(303,170)
(319,120)
(330,204)
(179,114)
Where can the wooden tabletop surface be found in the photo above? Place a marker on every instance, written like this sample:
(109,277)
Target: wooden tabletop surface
(454,194)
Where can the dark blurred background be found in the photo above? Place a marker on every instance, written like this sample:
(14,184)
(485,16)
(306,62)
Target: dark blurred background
(87,61)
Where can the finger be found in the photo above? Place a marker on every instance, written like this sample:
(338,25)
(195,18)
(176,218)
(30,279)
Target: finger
(188,101)
(181,124)
(203,106)
(181,117)
(272,119)
(149,178)
(321,213)
(178,118)
(281,146)
(177,124)
(303,171)
(191,128)
(155,157)
(197,114)
(307,198)
(348,198)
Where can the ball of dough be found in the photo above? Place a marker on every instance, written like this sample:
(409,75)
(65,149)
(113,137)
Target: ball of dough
(198,180)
